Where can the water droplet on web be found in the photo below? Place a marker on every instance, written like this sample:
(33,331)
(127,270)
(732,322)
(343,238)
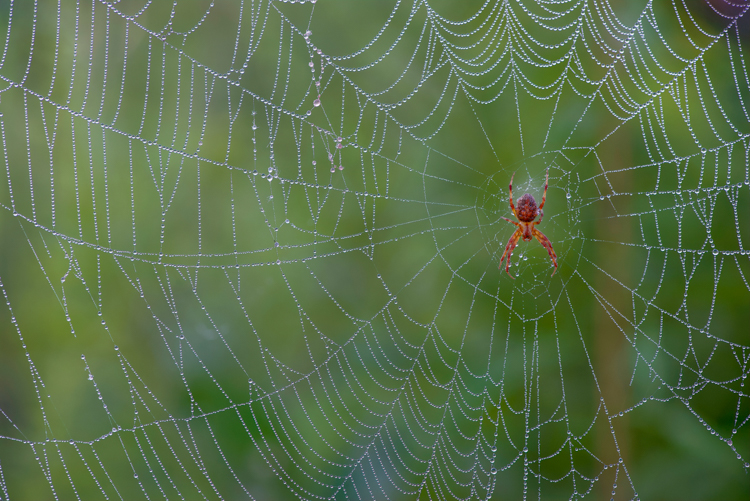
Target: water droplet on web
(493,471)
(91,377)
(311,64)
(117,348)
(307,34)
(715,252)
(341,167)
(493,448)
(567,195)
(601,197)
(703,149)
(316,103)
(333,169)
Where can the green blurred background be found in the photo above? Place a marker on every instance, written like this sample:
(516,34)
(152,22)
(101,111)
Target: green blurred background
(198,307)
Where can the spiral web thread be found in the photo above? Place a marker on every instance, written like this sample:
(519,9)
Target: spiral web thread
(263,239)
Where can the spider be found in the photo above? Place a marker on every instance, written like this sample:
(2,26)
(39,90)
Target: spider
(526,213)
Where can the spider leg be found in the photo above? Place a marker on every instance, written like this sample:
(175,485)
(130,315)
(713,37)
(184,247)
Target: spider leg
(544,197)
(510,188)
(541,215)
(517,224)
(547,245)
(509,250)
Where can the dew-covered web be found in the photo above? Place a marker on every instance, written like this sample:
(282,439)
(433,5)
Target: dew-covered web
(249,249)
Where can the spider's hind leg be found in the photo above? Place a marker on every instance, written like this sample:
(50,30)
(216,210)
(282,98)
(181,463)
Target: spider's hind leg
(547,245)
(509,250)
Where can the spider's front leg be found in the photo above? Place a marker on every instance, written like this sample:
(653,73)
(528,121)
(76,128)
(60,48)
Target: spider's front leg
(509,248)
(547,245)
(510,189)
(544,196)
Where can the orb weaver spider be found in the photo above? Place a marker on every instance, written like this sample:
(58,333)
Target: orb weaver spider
(526,212)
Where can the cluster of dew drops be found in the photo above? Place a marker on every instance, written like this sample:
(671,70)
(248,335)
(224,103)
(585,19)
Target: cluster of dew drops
(316,102)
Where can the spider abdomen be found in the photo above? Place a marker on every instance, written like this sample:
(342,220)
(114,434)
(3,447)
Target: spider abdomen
(526,209)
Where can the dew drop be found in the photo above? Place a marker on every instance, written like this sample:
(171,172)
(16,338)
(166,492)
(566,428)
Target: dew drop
(715,252)
(333,169)
(91,377)
(316,103)
(311,64)
(493,471)
(341,167)
(567,195)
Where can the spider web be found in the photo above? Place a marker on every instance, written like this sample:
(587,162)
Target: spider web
(249,249)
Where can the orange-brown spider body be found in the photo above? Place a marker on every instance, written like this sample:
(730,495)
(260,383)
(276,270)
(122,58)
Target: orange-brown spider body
(526,211)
